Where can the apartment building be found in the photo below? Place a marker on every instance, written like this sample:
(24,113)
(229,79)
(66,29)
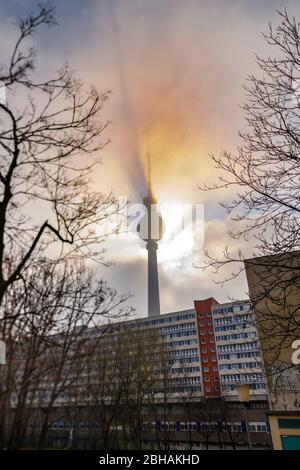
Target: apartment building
(238,349)
(211,349)
(180,335)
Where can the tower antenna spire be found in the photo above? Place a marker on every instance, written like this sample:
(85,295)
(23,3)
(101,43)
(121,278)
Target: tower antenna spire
(149,179)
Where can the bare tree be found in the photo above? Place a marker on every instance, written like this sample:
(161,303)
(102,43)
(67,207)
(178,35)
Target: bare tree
(49,345)
(206,414)
(107,371)
(142,380)
(50,136)
(188,398)
(225,419)
(162,395)
(123,378)
(265,170)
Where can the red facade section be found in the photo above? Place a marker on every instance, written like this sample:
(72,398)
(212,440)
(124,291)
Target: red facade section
(207,347)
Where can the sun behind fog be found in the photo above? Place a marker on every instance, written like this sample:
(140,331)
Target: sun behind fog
(178,238)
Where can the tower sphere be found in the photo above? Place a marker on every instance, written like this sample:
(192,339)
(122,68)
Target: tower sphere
(151,226)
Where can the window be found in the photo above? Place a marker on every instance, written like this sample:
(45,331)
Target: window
(292,423)
(236,428)
(206,369)
(258,427)
(206,379)
(204,350)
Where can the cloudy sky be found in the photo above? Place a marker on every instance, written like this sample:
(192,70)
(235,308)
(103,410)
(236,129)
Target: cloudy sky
(175,69)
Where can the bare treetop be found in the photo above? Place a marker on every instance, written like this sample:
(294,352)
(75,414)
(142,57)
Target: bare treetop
(50,135)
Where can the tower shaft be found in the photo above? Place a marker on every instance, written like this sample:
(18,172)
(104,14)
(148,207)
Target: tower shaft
(151,218)
(153,284)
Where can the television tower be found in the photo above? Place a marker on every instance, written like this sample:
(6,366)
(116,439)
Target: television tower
(154,221)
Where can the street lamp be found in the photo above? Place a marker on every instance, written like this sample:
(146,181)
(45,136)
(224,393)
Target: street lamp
(244,397)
